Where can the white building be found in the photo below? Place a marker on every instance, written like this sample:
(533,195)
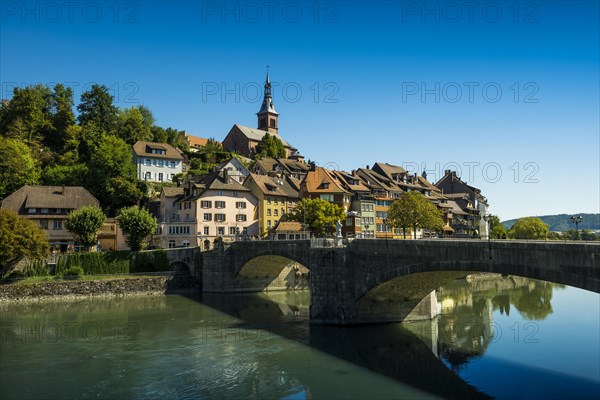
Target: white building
(157,162)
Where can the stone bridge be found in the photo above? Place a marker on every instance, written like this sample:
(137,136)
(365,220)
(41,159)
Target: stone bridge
(371,280)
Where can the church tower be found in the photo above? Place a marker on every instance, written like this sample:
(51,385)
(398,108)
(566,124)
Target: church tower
(267,116)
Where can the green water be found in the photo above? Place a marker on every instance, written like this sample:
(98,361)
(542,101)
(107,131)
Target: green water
(262,346)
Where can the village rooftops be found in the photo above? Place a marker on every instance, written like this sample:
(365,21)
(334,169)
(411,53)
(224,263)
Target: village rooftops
(273,186)
(257,135)
(156,150)
(54,197)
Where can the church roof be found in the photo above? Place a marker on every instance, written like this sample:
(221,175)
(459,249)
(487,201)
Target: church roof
(257,135)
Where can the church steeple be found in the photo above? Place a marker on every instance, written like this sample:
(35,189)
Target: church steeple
(267,116)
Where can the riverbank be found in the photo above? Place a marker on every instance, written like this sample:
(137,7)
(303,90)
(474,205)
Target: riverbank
(115,286)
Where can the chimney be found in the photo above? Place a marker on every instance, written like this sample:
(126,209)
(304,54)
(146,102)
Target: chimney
(313,166)
(225,175)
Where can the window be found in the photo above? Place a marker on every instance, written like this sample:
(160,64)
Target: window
(220,217)
(207,230)
(160,176)
(276,212)
(171,243)
(219,204)
(235,194)
(44,224)
(275,201)
(148,175)
(268,200)
(232,230)
(240,218)
(206,204)
(268,212)
(185,243)
(325,185)
(220,230)
(187,216)
(44,211)
(160,163)
(328,197)
(31,210)
(57,225)
(147,161)
(172,164)
(268,223)
(348,221)
(240,204)
(219,193)
(207,217)
(272,122)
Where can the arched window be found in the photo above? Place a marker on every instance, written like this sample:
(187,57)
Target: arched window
(171,243)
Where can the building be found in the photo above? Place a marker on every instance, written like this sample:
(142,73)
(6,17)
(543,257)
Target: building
(321,183)
(291,230)
(235,169)
(243,139)
(469,199)
(110,236)
(48,206)
(281,167)
(360,221)
(157,162)
(196,143)
(275,196)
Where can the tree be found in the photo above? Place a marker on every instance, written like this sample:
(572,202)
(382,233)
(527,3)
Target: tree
(269,146)
(85,223)
(529,228)
(17,166)
(62,117)
(97,106)
(20,238)
(71,175)
(122,192)
(413,210)
(32,106)
(137,224)
(497,230)
(131,126)
(317,214)
(147,117)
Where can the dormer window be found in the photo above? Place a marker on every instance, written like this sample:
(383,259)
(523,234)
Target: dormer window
(325,185)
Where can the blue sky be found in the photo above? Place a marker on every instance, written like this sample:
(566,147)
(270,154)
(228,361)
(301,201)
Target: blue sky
(505,92)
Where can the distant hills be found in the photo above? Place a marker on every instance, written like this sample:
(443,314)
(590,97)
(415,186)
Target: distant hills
(562,222)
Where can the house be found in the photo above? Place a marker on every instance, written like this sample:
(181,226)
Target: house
(157,162)
(470,200)
(321,183)
(235,169)
(275,196)
(196,143)
(48,206)
(280,167)
(110,236)
(243,139)
(291,230)
(360,221)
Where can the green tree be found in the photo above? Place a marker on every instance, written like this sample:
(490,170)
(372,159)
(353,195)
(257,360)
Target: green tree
(17,166)
(31,105)
(269,146)
(97,106)
(63,117)
(529,228)
(319,215)
(413,210)
(85,223)
(147,117)
(131,126)
(137,224)
(20,238)
(61,174)
(497,230)
(122,192)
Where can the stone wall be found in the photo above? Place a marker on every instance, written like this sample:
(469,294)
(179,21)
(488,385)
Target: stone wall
(20,291)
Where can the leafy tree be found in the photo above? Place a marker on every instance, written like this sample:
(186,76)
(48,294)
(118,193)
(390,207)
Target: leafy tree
(147,117)
(529,228)
(30,107)
(497,230)
(131,126)
(85,223)
(212,146)
(61,174)
(97,106)
(137,224)
(413,210)
(269,146)
(122,192)
(318,214)
(17,166)
(20,238)
(63,118)
(589,235)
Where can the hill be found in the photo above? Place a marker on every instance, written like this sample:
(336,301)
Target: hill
(562,222)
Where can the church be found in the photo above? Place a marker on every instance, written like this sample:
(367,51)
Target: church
(243,139)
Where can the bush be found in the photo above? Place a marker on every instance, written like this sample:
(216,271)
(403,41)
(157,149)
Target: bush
(150,261)
(73,272)
(111,263)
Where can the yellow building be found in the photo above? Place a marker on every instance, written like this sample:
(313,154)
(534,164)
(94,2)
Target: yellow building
(276,197)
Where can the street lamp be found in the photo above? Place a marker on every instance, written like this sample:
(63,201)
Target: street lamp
(576,219)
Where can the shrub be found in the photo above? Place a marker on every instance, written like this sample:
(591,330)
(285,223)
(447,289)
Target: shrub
(73,272)
(150,261)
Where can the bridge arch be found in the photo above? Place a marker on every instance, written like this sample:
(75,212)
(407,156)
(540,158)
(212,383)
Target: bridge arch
(180,266)
(272,272)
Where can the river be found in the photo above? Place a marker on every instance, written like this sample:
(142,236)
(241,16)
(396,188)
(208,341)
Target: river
(495,337)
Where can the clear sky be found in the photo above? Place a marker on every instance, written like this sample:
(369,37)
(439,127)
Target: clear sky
(505,92)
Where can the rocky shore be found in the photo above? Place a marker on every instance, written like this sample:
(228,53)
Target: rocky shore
(129,286)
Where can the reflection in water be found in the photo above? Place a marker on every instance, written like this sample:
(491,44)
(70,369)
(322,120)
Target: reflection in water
(260,345)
